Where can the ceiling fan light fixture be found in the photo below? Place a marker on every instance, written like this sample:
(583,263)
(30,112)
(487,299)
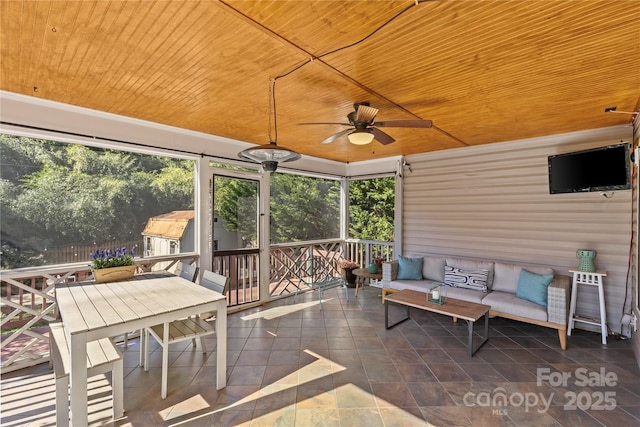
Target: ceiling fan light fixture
(361,137)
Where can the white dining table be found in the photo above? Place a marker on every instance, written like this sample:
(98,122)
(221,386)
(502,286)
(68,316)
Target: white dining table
(91,311)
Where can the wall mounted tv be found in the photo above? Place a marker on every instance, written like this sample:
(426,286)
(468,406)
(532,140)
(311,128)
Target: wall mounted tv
(599,169)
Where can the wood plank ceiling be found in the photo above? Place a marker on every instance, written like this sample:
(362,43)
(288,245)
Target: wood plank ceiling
(483,71)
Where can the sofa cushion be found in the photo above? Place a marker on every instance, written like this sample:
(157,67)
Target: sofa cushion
(410,268)
(414,285)
(433,268)
(465,294)
(506,276)
(506,302)
(533,287)
(466,278)
(469,264)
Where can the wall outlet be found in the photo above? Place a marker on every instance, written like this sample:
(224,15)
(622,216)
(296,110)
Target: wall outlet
(634,323)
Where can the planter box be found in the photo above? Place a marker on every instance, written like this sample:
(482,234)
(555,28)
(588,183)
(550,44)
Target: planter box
(114,274)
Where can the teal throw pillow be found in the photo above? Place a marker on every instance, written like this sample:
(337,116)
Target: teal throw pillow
(533,287)
(410,268)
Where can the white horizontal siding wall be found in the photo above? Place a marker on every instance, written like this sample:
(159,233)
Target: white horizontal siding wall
(493,202)
(636,227)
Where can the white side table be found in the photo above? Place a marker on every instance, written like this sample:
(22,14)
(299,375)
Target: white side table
(590,279)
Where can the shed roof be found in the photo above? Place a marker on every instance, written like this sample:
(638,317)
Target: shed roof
(170,225)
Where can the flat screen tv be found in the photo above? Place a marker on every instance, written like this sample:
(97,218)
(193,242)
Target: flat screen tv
(599,169)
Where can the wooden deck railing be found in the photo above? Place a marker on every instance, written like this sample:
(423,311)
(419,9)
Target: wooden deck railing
(241,266)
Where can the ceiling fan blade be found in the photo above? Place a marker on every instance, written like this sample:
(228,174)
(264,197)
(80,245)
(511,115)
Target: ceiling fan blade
(405,124)
(382,137)
(366,114)
(336,136)
(326,123)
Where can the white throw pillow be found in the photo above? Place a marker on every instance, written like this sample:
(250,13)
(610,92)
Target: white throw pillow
(468,264)
(468,279)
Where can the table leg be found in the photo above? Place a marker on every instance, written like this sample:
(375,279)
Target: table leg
(358,279)
(78,361)
(386,316)
(165,360)
(221,344)
(485,337)
(143,348)
(470,342)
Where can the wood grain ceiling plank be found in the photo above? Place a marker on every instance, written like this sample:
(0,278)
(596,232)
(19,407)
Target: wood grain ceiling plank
(10,25)
(39,35)
(22,42)
(264,22)
(402,52)
(148,57)
(74,39)
(84,43)
(54,48)
(318,27)
(126,35)
(457,73)
(104,57)
(184,81)
(483,71)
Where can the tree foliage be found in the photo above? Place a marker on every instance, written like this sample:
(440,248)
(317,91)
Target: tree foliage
(56,194)
(371,209)
(235,201)
(304,208)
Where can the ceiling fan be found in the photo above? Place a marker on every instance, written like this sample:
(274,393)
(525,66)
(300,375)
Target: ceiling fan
(363,129)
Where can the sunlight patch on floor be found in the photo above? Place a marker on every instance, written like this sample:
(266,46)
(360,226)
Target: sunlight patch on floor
(280,311)
(320,368)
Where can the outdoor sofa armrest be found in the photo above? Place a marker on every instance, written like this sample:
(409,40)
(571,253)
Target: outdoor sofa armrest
(558,299)
(389,273)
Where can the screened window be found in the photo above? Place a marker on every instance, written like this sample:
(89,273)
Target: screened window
(372,208)
(304,208)
(61,202)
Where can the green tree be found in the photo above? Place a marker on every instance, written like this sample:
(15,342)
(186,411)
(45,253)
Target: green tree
(235,201)
(304,208)
(56,194)
(371,209)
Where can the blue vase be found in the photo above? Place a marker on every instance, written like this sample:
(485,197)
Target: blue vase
(373,268)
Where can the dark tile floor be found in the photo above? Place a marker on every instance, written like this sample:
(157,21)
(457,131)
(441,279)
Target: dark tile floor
(290,364)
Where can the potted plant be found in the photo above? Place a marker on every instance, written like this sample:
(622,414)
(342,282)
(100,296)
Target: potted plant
(111,266)
(347,267)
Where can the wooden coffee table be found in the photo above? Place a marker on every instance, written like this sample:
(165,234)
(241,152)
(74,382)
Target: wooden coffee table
(458,309)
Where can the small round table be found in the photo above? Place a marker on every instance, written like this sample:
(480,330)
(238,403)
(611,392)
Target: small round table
(362,274)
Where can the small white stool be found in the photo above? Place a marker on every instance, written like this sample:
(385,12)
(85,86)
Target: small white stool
(591,279)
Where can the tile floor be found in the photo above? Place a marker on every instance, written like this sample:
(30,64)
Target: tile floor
(290,364)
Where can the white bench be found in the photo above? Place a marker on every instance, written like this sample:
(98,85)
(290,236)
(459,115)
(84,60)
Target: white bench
(102,356)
